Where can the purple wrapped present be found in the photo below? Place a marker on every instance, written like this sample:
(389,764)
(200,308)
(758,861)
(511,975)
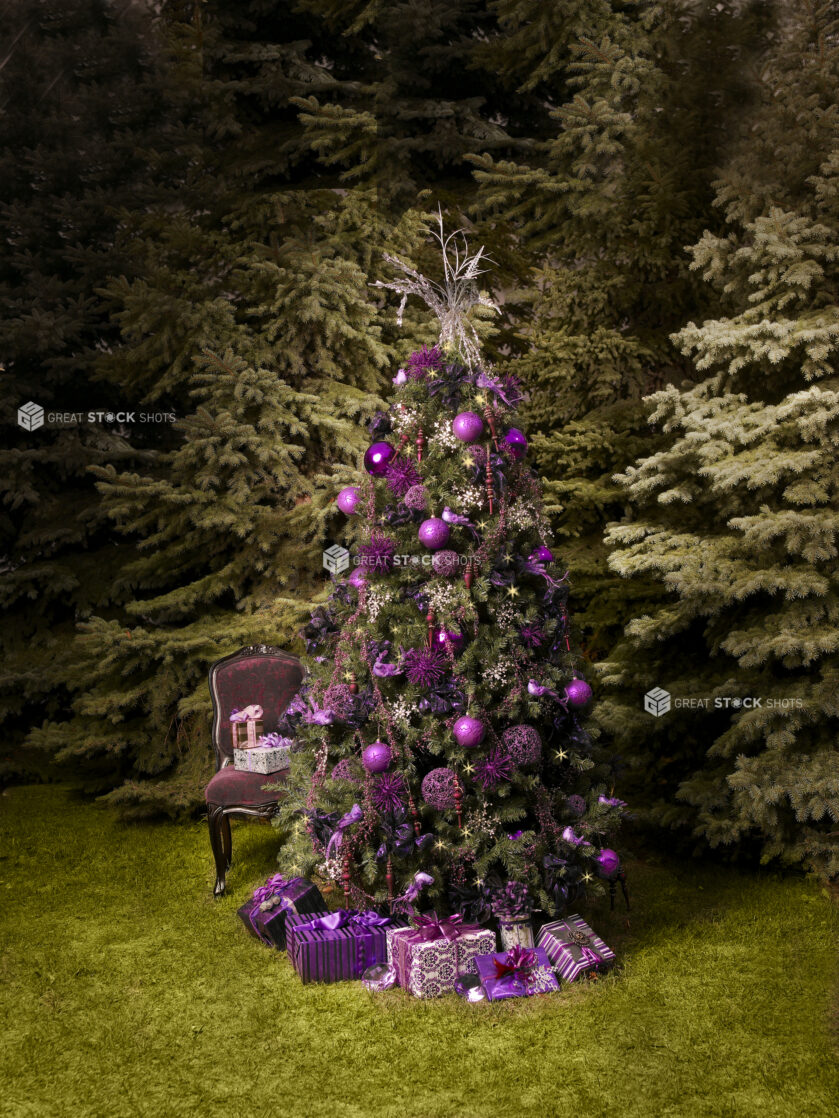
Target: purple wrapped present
(574,949)
(520,972)
(337,946)
(429,957)
(266,912)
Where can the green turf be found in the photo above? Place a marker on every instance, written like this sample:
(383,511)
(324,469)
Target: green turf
(126,990)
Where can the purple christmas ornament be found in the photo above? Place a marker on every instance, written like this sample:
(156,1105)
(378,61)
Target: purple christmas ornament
(434,533)
(416,498)
(608,864)
(344,770)
(542,554)
(578,693)
(445,563)
(388,792)
(469,732)
(376,458)
(425,667)
(358,577)
(401,475)
(576,805)
(523,744)
(438,789)
(493,770)
(516,442)
(377,757)
(467,426)
(347,500)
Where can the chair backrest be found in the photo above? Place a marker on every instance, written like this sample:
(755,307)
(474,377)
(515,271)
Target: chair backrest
(259,674)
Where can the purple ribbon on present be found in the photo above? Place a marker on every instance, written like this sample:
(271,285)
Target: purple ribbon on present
(588,953)
(354,815)
(428,928)
(250,714)
(273,889)
(517,965)
(343,918)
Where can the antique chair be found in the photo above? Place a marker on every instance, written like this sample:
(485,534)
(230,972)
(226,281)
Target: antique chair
(257,674)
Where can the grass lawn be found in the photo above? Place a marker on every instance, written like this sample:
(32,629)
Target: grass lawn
(127,990)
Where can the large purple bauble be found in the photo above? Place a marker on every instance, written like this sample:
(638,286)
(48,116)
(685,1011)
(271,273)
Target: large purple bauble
(450,636)
(469,732)
(542,554)
(467,426)
(377,757)
(377,457)
(434,533)
(608,864)
(358,577)
(578,693)
(516,442)
(347,500)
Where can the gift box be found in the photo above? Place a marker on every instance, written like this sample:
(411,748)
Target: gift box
(266,912)
(338,946)
(515,931)
(518,973)
(573,948)
(246,726)
(427,958)
(266,756)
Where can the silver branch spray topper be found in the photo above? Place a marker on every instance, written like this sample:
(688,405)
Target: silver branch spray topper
(452,299)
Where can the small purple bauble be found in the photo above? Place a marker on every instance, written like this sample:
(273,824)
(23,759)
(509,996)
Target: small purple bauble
(434,533)
(578,693)
(608,864)
(376,458)
(542,554)
(446,563)
(377,757)
(522,744)
(516,442)
(358,577)
(576,805)
(469,732)
(442,637)
(416,498)
(438,789)
(347,500)
(467,426)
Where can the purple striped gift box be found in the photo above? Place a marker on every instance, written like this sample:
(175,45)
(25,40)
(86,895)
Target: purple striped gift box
(573,948)
(338,946)
(266,912)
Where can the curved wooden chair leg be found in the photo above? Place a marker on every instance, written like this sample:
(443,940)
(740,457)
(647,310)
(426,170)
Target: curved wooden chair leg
(215,815)
(226,841)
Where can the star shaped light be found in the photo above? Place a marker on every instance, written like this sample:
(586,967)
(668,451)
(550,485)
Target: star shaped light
(560,754)
(513,591)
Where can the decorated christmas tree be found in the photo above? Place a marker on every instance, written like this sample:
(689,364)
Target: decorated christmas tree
(439,738)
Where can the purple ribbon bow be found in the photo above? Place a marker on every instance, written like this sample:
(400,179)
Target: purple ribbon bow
(272,888)
(354,815)
(250,714)
(430,927)
(343,918)
(518,964)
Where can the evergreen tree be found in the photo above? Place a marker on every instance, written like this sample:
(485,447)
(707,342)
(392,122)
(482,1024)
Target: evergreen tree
(439,742)
(82,88)
(640,98)
(736,518)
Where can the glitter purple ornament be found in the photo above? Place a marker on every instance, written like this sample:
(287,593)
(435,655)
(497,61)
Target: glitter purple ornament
(434,533)
(467,426)
(469,732)
(578,693)
(542,554)
(376,458)
(425,667)
(388,792)
(416,498)
(438,789)
(377,555)
(523,744)
(445,563)
(422,361)
(347,500)
(493,770)
(532,635)
(608,864)
(516,443)
(401,475)
(377,758)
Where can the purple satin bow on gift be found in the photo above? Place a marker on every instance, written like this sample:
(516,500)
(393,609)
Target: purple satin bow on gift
(518,964)
(354,815)
(272,888)
(249,714)
(273,741)
(343,918)
(430,927)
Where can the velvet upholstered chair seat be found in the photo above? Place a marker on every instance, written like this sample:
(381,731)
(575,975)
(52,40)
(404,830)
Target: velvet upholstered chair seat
(269,677)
